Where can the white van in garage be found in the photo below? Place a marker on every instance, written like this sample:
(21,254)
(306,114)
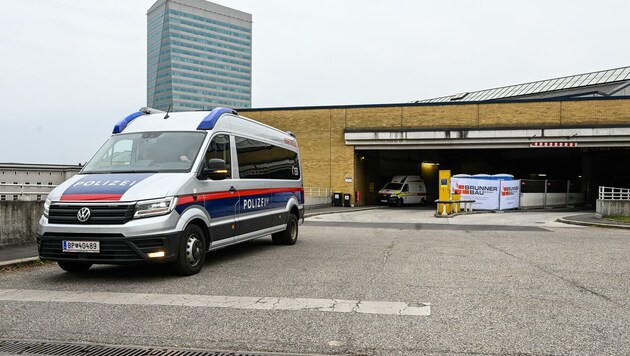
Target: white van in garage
(403,190)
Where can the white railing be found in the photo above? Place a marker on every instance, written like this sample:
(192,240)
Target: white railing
(317,196)
(10,191)
(611,193)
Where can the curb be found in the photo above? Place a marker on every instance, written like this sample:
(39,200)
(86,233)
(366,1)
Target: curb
(582,223)
(349,210)
(19,260)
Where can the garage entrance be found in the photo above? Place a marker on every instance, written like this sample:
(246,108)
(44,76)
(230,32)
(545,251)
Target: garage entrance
(584,168)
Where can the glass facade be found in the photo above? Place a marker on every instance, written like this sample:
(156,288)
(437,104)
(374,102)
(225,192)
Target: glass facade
(199,56)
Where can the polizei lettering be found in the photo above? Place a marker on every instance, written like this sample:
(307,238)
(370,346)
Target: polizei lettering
(255,203)
(479,189)
(97,183)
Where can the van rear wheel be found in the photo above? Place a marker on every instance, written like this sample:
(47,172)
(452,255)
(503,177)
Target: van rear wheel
(192,252)
(288,236)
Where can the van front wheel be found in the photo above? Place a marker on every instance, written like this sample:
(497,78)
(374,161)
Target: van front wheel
(288,236)
(192,252)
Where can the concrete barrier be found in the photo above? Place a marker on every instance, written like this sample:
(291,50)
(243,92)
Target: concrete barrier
(613,207)
(18,221)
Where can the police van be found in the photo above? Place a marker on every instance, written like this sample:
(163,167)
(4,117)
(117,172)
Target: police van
(403,190)
(169,187)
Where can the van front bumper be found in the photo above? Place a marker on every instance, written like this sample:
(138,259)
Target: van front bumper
(114,248)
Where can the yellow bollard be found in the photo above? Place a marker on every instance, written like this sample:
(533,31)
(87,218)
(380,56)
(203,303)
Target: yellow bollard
(456,206)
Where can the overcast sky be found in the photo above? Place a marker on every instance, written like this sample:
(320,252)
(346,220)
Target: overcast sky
(70,69)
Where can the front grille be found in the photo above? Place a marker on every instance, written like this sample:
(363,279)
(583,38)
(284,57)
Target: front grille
(102,214)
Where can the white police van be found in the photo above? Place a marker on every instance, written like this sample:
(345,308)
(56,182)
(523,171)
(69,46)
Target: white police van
(403,190)
(171,187)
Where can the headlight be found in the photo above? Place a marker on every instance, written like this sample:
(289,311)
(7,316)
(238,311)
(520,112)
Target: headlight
(155,207)
(46,207)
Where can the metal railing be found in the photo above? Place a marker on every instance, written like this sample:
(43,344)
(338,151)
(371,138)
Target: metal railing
(317,192)
(317,196)
(10,191)
(612,193)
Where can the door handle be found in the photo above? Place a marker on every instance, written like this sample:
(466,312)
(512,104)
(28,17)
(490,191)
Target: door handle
(232,190)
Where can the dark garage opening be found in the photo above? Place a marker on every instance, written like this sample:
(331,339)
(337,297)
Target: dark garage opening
(585,168)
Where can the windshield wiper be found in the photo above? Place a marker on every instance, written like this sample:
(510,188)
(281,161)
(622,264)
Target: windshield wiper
(114,172)
(134,172)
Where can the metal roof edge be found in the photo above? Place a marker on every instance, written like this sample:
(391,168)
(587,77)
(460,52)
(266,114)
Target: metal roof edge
(498,128)
(362,106)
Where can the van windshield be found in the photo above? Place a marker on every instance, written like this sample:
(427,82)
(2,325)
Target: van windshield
(147,152)
(393,186)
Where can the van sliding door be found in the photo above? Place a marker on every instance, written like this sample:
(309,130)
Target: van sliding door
(254,209)
(221,197)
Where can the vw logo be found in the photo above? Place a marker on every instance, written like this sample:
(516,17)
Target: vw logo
(84,214)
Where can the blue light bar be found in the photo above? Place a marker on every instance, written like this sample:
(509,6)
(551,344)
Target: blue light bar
(209,121)
(120,126)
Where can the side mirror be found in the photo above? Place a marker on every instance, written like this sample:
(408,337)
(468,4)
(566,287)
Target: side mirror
(216,169)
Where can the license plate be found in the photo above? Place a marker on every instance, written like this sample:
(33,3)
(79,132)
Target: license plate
(383,200)
(81,246)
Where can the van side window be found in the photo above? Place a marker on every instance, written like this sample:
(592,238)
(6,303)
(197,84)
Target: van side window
(259,160)
(220,148)
(405,188)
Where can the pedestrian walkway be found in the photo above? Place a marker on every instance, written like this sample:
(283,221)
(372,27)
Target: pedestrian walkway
(25,253)
(589,219)
(17,254)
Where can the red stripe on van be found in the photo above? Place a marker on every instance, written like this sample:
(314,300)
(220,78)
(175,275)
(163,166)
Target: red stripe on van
(91,197)
(187,199)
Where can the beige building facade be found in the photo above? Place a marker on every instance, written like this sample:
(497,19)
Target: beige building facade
(336,142)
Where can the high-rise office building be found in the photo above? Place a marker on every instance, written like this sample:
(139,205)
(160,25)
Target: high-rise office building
(199,56)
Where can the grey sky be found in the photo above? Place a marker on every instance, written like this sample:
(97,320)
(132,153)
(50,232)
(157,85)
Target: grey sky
(69,69)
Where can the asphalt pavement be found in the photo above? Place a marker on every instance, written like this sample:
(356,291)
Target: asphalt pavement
(419,217)
(483,284)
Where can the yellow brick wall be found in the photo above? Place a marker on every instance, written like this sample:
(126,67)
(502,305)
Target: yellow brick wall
(602,112)
(519,114)
(327,161)
(342,156)
(374,117)
(440,116)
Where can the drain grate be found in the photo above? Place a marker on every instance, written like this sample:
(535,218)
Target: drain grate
(18,347)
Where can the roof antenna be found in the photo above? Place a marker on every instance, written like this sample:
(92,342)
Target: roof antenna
(167,111)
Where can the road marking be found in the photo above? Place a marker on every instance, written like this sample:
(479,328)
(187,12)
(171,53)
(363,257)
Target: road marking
(211,301)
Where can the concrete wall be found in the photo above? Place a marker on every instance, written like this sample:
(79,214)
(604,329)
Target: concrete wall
(613,207)
(18,221)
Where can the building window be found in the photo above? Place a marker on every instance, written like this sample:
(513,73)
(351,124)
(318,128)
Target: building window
(39,197)
(27,183)
(49,183)
(15,182)
(39,183)
(15,197)
(3,197)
